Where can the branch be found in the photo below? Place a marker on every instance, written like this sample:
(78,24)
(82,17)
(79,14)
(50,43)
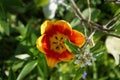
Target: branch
(89,11)
(77,10)
(79,13)
(88,39)
(94,25)
(112,35)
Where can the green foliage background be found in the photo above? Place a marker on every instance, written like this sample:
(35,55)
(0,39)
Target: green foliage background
(20,22)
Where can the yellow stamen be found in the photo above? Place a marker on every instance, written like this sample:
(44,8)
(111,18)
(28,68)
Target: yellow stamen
(57,42)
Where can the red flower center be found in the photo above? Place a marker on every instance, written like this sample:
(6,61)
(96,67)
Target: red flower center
(57,42)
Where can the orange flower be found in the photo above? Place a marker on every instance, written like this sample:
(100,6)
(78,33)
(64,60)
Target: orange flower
(52,41)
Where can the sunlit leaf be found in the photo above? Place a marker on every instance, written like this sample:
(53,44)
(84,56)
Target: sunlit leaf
(40,2)
(22,56)
(72,47)
(75,22)
(94,14)
(117,12)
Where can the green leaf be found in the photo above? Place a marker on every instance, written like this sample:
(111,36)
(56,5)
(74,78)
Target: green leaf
(72,47)
(21,29)
(27,69)
(42,66)
(117,12)
(5,27)
(94,14)
(2,12)
(33,38)
(117,27)
(13,6)
(29,29)
(17,66)
(40,2)
(75,22)
(79,74)
(11,75)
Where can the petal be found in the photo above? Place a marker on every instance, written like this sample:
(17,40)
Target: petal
(116,57)
(39,44)
(51,60)
(42,43)
(77,37)
(66,56)
(46,26)
(51,28)
(64,27)
(113,47)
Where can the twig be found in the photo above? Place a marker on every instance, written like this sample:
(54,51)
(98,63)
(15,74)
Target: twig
(111,27)
(90,36)
(112,35)
(89,15)
(85,28)
(89,11)
(115,23)
(79,13)
(94,25)
(113,19)
(77,10)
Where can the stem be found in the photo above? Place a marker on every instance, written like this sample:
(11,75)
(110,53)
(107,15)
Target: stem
(113,35)
(85,28)
(89,11)
(91,35)
(95,26)
(77,10)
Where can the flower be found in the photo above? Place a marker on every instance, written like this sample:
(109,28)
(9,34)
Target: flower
(52,41)
(85,59)
(49,9)
(113,47)
(84,75)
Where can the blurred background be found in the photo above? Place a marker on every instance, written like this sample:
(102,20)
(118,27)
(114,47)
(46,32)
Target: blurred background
(20,22)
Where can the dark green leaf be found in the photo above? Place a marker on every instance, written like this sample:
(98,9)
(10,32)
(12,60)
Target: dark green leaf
(42,66)
(5,26)
(11,75)
(13,6)
(27,69)
(21,28)
(2,12)
(79,74)
(17,66)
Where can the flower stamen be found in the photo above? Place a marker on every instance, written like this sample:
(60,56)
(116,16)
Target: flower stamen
(57,42)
